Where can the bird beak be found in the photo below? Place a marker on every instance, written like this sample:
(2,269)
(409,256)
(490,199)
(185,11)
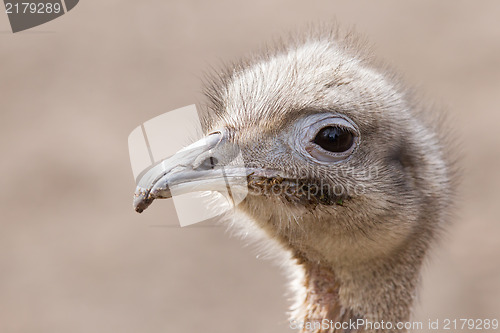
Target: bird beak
(210,164)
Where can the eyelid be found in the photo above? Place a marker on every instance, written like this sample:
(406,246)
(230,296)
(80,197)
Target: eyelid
(334,122)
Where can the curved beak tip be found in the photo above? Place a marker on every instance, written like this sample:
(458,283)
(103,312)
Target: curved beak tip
(142,205)
(142,200)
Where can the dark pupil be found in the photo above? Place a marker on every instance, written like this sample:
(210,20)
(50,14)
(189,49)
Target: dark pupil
(334,139)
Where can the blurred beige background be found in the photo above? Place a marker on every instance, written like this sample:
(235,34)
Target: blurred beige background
(74,255)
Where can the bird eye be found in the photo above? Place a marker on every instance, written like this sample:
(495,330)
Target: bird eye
(334,139)
(326,138)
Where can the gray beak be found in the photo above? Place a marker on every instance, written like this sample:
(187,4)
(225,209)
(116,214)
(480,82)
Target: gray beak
(210,164)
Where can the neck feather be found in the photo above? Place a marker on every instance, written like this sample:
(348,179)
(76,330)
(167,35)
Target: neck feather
(347,300)
(320,306)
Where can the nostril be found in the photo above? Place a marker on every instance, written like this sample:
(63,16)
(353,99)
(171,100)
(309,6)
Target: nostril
(212,161)
(208,163)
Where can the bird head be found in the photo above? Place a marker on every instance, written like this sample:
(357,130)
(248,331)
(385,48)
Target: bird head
(338,164)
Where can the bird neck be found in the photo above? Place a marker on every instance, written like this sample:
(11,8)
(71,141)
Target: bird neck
(319,306)
(349,299)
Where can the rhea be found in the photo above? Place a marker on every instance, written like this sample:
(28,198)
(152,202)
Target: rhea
(363,180)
